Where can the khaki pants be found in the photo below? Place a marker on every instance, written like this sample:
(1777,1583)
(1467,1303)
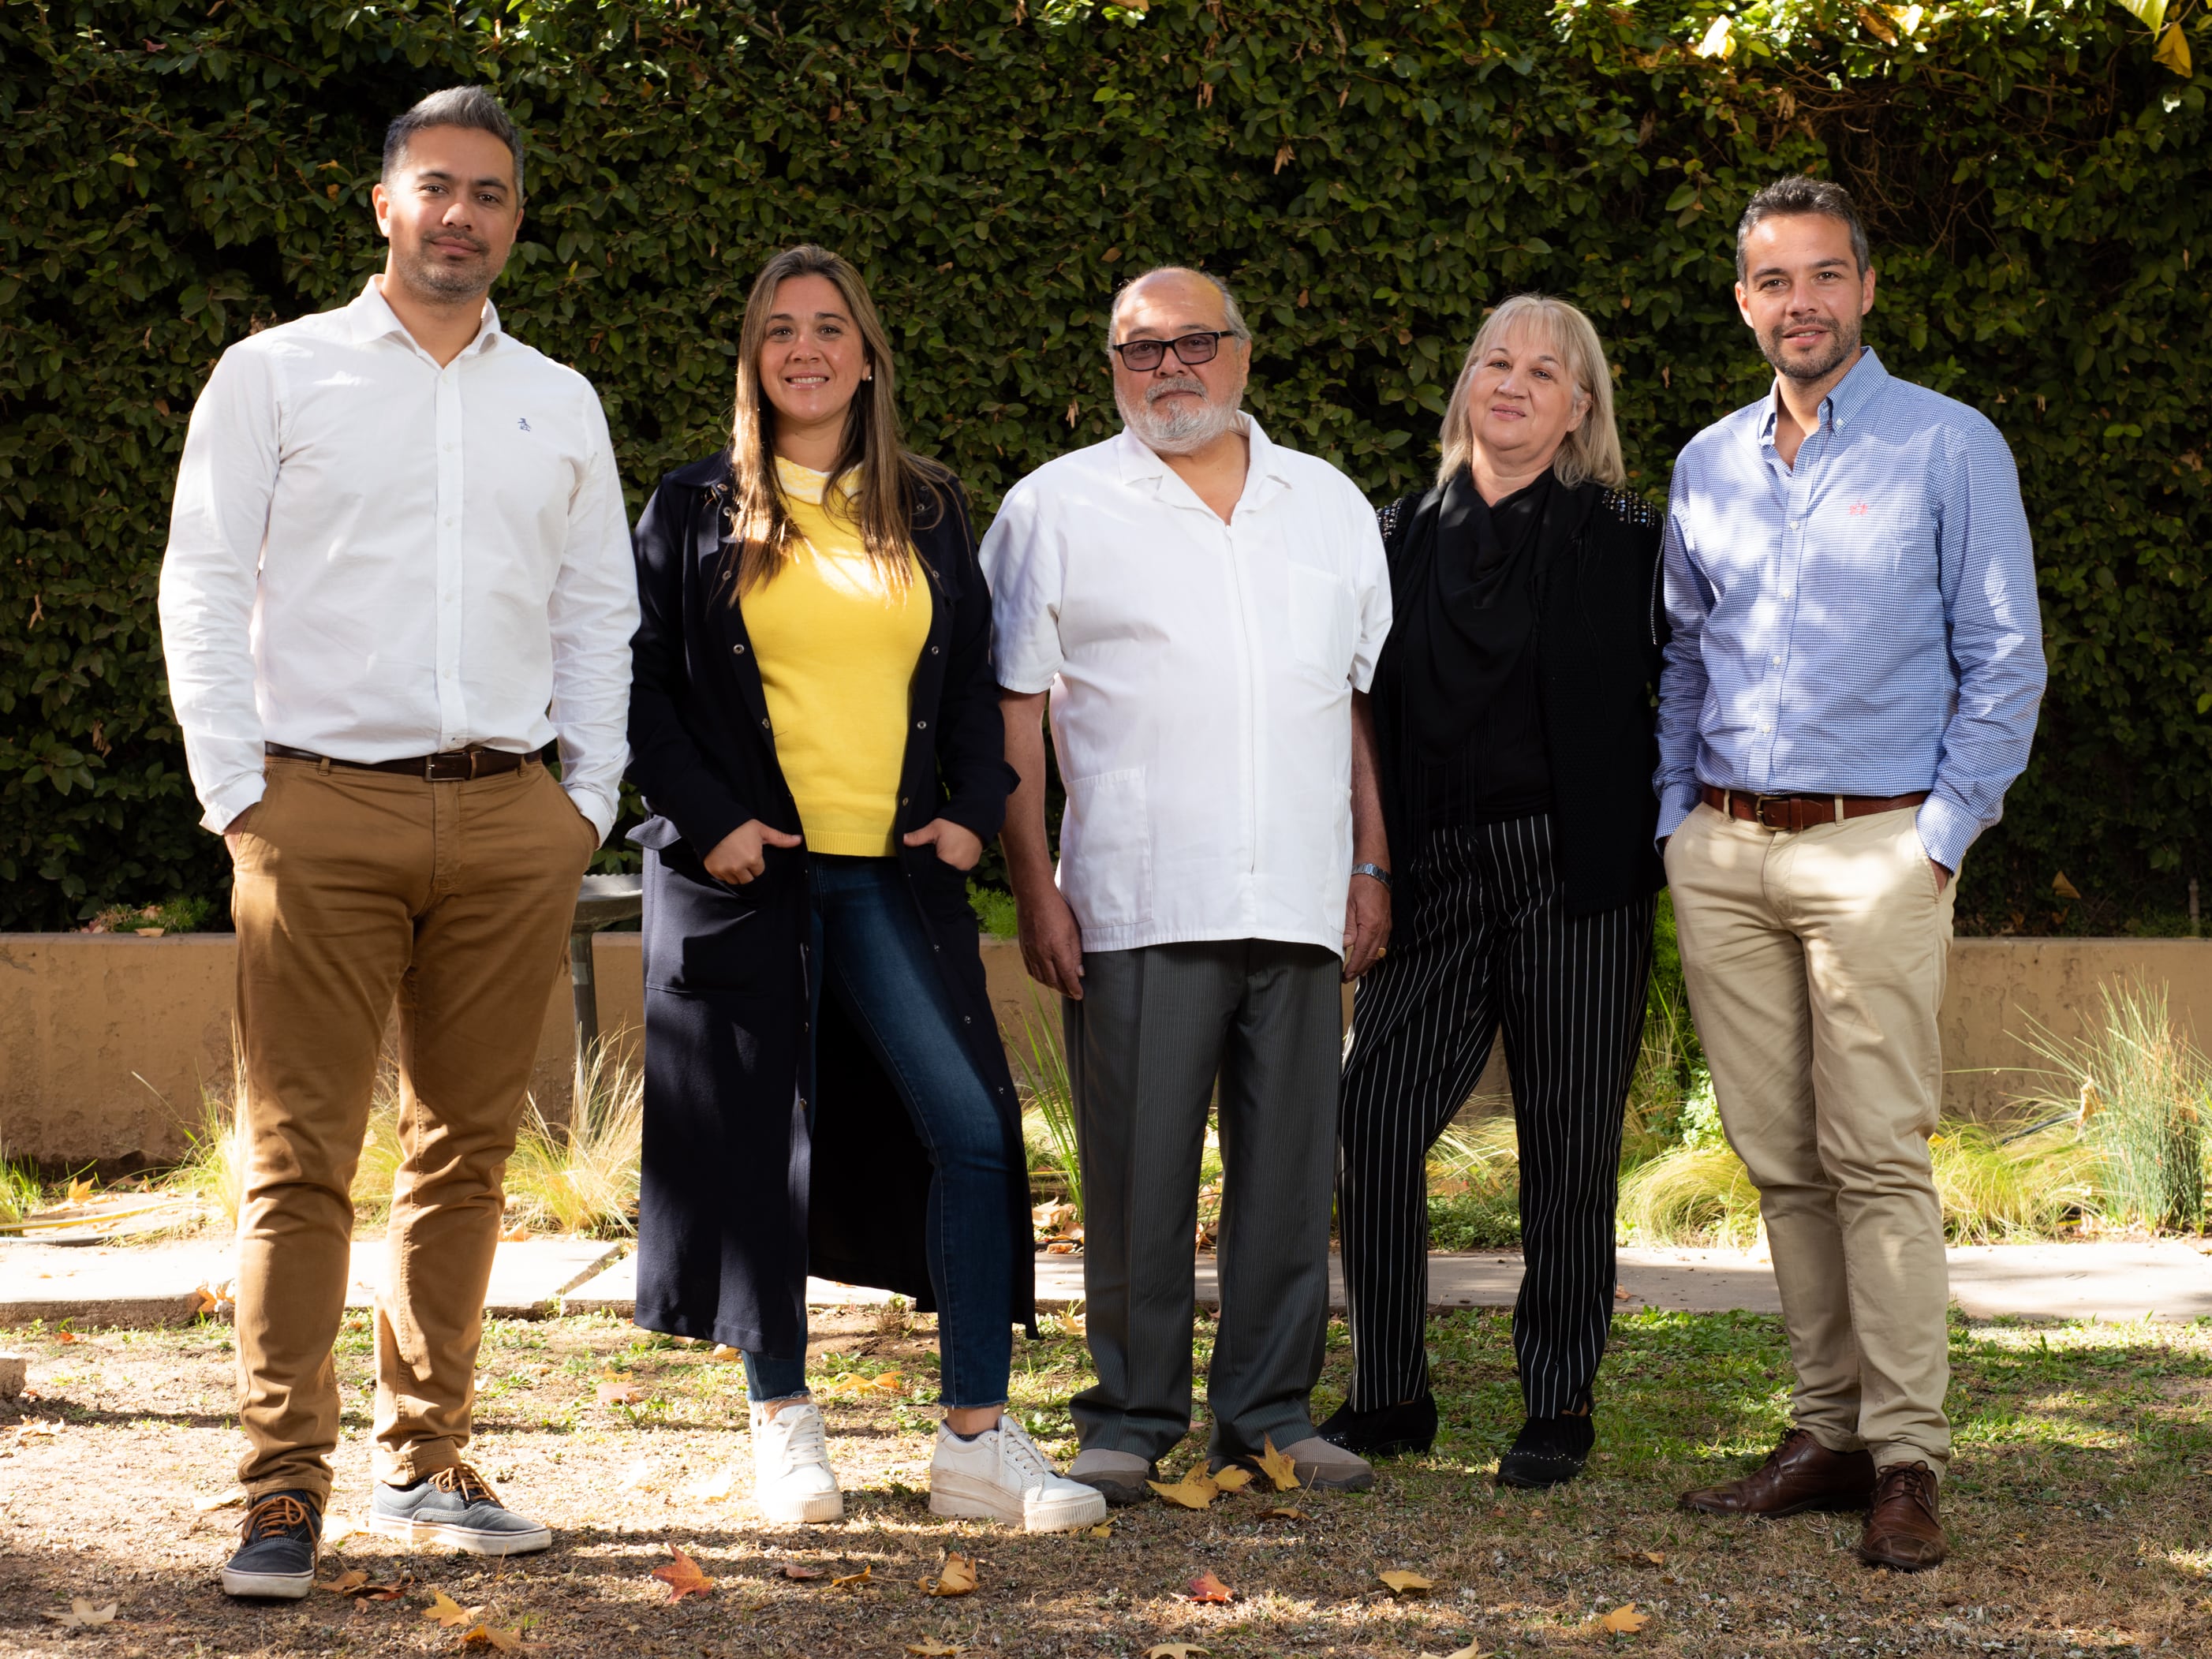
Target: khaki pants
(1814,963)
(352,888)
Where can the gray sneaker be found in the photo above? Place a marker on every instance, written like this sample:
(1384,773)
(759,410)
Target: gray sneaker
(455,1507)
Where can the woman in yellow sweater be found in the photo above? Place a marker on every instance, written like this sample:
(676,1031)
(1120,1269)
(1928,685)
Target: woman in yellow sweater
(814,724)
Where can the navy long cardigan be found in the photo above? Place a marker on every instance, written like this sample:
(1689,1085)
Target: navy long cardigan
(741,1199)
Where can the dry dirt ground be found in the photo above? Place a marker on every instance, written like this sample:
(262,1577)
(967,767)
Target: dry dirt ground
(2081,1508)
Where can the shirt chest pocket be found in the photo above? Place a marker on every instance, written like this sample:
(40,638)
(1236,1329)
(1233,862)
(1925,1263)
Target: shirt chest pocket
(1320,622)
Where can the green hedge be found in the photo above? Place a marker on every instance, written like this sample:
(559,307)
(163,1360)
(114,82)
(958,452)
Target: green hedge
(1370,175)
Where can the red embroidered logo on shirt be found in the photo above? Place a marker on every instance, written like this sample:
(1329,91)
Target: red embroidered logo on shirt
(1857,509)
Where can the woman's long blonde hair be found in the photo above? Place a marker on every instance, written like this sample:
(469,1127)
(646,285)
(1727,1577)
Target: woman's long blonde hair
(1592,450)
(894,483)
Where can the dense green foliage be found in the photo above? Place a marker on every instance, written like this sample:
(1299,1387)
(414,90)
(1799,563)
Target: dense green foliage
(1369,176)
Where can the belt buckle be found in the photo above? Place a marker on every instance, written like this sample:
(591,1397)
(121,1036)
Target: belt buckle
(1758,811)
(455,766)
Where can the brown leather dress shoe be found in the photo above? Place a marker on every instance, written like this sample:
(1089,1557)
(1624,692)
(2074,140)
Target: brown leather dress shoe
(1799,1474)
(1903,1530)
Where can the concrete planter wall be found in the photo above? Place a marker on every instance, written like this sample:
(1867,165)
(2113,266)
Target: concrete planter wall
(105,1040)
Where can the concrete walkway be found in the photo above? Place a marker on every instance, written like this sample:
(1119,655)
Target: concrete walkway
(2167,1280)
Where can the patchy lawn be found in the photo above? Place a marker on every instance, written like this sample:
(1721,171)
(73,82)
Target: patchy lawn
(2081,1508)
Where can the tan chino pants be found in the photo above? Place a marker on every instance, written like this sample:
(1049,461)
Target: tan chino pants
(1814,962)
(352,889)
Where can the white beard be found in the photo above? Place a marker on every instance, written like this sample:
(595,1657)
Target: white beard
(1186,431)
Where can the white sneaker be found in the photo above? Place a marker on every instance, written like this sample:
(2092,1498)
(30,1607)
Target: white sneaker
(792,1477)
(1000,1474)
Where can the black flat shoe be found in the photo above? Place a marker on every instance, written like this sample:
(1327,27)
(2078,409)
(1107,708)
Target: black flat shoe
(1392,1432)
(1548,1451)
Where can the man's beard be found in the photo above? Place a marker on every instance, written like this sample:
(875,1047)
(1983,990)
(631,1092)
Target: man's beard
(1843,343)
(436,278)
(1185,431)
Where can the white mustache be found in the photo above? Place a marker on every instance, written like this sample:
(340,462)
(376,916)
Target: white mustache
(1156,390)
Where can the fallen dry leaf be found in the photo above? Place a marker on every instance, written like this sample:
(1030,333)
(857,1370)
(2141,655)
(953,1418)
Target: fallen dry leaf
(724,1352)
(853,1580)
(1207,1588)
(1277,1467)
(1060,1247)
(345,1583)
(1232,1480)
(230,1500)
(1104,1530)
(206,1299)
(1285,1513)
(64,1336)
(1173,1651)
(1194,1491)
(1643,1558)
(1623,1621)
(80,1190)
(83,1614)
(620,1391)
(504,1641)
(683,1577)
(956,1578)
(713,1485)
(513,1236)
(794,1569)
(447,1612)
(936,1650)
(853,1386)
(1402,1583)
(1467,1652)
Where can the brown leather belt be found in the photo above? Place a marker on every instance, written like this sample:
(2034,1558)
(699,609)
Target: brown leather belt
(455,766)
(1794,812)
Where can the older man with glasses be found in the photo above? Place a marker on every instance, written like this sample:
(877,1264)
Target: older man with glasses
(1203,609)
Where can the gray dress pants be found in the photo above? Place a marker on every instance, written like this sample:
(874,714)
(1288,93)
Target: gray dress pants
(1157,1026)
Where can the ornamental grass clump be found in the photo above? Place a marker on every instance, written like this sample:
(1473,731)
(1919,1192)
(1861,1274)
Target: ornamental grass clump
(213,1169)
(1047,1100)
(582,1178)
(2138,1093)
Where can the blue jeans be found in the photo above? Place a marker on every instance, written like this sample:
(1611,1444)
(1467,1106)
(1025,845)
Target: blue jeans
(877,960)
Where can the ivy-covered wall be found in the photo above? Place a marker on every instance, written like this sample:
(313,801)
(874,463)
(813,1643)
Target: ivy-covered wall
(1369,173)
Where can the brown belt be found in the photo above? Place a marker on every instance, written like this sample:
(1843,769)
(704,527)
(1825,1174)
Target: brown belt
(1800,811)
(455,766)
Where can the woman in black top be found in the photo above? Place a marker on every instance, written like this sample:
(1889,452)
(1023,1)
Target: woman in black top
(1513,711)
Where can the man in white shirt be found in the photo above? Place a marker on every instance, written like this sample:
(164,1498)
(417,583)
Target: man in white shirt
(1205,609)
(399,567)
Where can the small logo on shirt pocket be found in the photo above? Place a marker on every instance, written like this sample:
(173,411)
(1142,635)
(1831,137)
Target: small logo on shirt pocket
(522,424)
(1858,509)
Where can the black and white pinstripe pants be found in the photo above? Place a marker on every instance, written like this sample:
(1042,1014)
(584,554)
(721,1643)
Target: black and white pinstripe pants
(1488,945)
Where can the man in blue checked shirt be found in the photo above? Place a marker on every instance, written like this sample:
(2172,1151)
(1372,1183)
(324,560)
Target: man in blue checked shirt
(1851,685)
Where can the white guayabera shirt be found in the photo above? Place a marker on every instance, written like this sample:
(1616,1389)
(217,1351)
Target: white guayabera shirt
(371,557)
(1201,676)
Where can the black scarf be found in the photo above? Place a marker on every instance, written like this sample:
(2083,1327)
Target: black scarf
(1469,613)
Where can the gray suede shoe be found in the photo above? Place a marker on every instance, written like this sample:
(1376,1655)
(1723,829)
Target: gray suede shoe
(1320,1466)
(1120,1475)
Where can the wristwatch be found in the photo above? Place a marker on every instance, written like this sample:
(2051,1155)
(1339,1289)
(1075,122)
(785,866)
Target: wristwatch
(1374,870)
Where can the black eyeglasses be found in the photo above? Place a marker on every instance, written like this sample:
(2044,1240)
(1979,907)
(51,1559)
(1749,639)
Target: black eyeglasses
(1142,357)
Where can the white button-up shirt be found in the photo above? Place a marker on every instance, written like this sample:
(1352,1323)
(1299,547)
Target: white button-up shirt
(371,557)
(1201,676)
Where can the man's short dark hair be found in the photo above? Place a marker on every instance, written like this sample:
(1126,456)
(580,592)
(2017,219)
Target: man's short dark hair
(456,106)
(1802,195)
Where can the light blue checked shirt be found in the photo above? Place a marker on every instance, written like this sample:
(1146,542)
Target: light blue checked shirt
(1862,623)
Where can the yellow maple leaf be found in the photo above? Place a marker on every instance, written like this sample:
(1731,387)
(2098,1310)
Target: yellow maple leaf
(1278,1466)
(345,1583)
(1402,1583)
(1173,1651)
(852,1580)
(620,1391)
(1194,1491)
(1104,1530)
(1232,1480)
(447,1612)
(502,1641)
(1288,1514)
(1623,1621)
(956,1578)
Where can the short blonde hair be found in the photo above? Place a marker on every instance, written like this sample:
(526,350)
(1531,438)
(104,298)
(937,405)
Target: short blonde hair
(1592,450)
